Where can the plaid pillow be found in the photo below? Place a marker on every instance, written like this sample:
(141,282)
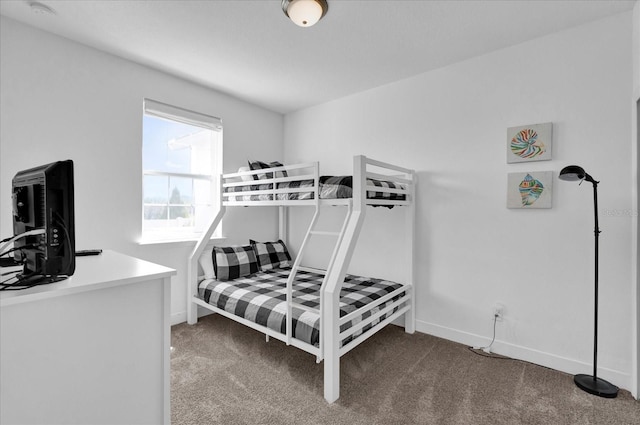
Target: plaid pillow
(232,262)
(259,165)
(271,255)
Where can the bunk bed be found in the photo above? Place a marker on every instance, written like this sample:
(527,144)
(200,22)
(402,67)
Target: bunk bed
(324,312)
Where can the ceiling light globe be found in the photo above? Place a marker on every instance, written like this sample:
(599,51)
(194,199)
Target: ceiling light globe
(41,9)
(304,13)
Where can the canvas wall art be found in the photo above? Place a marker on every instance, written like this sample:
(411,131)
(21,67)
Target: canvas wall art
(529,190)
(529,143)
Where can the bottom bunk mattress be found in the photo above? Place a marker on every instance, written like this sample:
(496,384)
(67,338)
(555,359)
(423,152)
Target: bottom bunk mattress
(261,298)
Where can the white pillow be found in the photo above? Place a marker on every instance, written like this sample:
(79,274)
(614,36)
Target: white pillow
(206,262)
(246,178)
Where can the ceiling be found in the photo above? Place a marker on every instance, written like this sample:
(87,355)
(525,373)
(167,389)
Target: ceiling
(250,50)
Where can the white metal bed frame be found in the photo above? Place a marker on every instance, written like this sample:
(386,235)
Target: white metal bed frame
(329,348)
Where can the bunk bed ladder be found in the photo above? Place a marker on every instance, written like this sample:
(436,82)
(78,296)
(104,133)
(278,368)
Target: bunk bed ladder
(339,238)
(312,231)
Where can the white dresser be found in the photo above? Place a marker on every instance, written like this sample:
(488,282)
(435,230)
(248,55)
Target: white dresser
(91,349)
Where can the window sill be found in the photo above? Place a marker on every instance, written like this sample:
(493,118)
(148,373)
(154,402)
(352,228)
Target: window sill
(177,241)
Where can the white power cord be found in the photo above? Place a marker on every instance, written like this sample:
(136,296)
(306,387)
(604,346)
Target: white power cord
(487,349)
(20,236)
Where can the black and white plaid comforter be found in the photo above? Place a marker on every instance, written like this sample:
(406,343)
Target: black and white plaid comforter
(335,187)
(230,193)
(331,187)
(261,298)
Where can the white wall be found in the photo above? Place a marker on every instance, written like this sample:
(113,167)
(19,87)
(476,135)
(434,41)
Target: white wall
(450,126)
(60,100)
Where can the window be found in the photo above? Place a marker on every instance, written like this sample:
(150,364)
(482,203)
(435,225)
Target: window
(181,162)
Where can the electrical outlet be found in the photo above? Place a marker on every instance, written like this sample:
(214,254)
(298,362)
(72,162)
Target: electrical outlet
(498,311)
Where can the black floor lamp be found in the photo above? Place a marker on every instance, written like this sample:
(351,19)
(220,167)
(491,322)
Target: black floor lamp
(591,383)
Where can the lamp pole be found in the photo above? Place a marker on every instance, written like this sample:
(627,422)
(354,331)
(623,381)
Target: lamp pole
(596,234)
(591,383)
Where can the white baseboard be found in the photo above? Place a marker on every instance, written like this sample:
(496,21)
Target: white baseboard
(563,364)
(181,317)
(177,318)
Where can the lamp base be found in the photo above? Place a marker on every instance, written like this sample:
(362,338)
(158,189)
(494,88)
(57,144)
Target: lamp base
(596,386)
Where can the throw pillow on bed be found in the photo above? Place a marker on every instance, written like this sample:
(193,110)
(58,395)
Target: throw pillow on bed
(206,263)
(259,165)
(247,178)
(232,262)
(271,255)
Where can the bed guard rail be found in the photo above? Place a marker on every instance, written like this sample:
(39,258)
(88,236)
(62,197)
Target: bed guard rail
(386,180)
(278,186)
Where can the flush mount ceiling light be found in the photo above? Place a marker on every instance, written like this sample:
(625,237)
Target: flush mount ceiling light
(41,9)
(305,13)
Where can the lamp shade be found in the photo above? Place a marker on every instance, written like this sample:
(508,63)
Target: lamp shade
(572,173)
(305,13)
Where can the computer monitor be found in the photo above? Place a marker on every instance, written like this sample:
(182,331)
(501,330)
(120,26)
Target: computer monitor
(43,199)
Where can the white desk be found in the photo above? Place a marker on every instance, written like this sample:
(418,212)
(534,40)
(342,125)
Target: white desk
(91,349)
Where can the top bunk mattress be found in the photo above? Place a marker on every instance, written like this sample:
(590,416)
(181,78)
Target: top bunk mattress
(261,298)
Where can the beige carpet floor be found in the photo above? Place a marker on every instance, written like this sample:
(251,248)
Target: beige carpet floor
(225,373)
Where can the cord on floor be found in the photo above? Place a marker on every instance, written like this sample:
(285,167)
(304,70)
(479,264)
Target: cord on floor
(487,349)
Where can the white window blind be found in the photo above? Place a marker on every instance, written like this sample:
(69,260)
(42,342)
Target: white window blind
(181,160)
(186,116)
